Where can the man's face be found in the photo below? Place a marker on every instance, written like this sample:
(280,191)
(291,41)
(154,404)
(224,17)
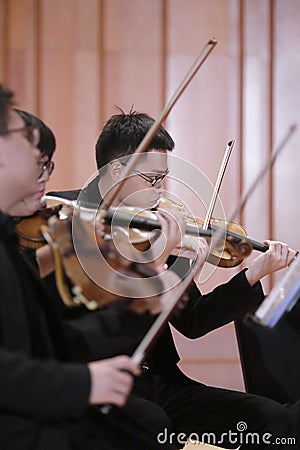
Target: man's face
(32,203)
(19,162)
(143,185)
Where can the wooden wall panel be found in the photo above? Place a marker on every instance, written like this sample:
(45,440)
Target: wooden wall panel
(57,26)
(21,50)
(257,117)
(206,117)
(286,212)
(132,56)
(73,61)
(3,40)
(87,93)
(203,121)
(207,361)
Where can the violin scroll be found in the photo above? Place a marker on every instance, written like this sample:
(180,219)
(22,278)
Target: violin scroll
(28,229)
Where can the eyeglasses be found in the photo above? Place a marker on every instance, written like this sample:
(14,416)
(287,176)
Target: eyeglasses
(153,180)
(49,166)
(30,132)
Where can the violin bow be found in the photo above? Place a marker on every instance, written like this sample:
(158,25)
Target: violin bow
(217,186)
(164,316)
(203,55)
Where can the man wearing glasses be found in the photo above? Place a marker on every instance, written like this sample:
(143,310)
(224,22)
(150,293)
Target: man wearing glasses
(54,393)
(143,184)
(41,390)
(19,157)
(191,406)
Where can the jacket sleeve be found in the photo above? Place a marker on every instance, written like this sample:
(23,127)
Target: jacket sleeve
(32,387)
(42,389)
(224,304)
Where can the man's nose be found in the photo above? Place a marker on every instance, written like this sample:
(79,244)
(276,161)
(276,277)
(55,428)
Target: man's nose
(158,184)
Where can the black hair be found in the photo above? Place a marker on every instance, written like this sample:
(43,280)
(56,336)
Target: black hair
(6,101)
(47,143)
(123,133)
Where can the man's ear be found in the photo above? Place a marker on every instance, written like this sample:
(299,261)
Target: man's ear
(116,169)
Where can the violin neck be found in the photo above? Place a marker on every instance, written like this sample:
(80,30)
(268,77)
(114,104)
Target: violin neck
(126,219)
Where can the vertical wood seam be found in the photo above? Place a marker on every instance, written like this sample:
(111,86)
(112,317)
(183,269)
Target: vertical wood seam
(241,100)
(37,56)
(101,61)
(271,124)
(5,42)
(164,52)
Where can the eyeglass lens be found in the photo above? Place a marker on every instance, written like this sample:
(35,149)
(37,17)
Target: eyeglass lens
(48,166)
(154,179)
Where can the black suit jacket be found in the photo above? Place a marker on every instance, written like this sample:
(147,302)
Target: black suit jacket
(38,392)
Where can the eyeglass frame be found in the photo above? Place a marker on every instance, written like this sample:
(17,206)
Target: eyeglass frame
(30,133)
(49,166)
(153,180)
(145,177)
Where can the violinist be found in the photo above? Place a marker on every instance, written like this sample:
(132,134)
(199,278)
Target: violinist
(95,335)
(40,390)
(191,406)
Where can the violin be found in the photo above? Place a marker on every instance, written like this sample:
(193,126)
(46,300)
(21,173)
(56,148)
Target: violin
(53,224)
(234,248)
(88,268)
(234,245)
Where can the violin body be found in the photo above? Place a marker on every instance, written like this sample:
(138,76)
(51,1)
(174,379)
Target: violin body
(54,224)
(88,272)
(73,284)
(229,252)
(232,247)
(88,268)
